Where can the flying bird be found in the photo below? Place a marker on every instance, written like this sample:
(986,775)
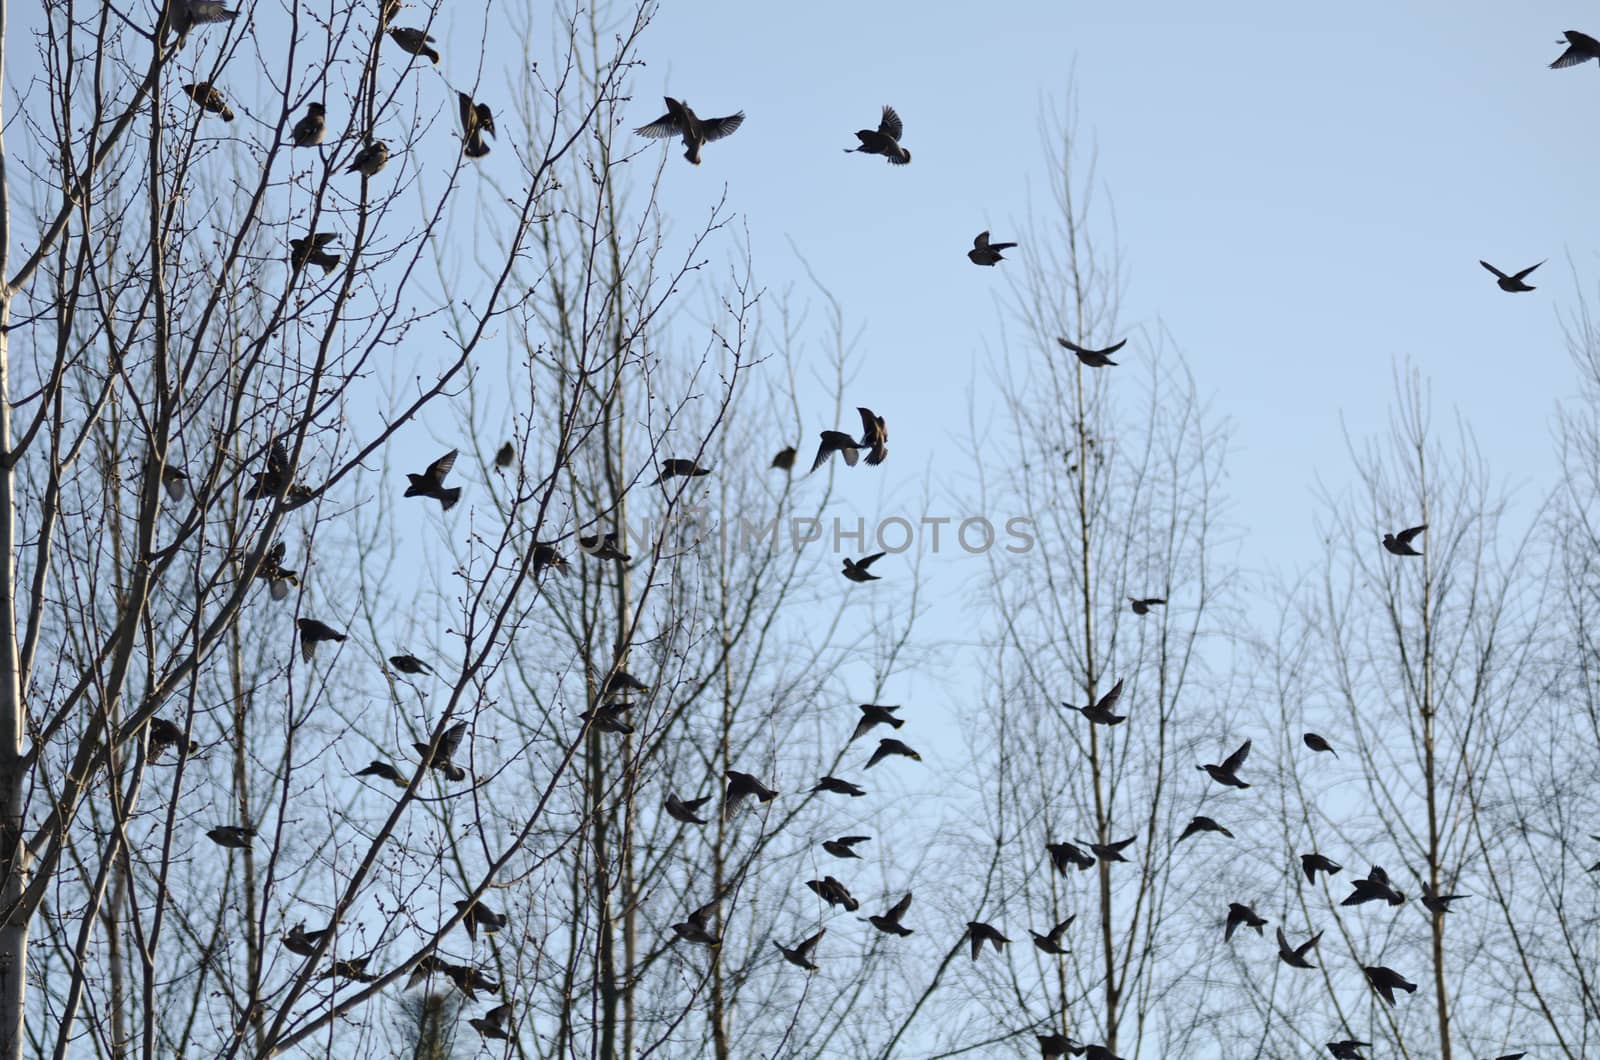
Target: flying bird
(184,15)
(838,787)
(409,664)
(984,252)
(1051,942)
(1513,283)
(309,130)
(621,683)
(443,758)
(800,955)
(1065,855)
(1348,1049)
(380,768)
(874,436)
(1580,49)
(890,746)
(308,250)
(1100,712)
(885,140)
(277,478)
(479,916)
(1376,887)
(1295,956)
(684,809)
(834,893)
(889,922)
(844,846)
(1239,913)
(278,577)
(313,633)
(210,99)
(1311,863)
(784,461)
(1093,358)
(164,734)
(232,835)
(835,442)
(476,122)
(1109,852)
(1142,606)
(1400,544)
(353,968)
(546,557)
(679,120)
(697,927)
(175,481)
(370,159)
(603,547)
(415,41)
(1317,743)
(609,717)
(1386,981)
(978,933)
(495,1024)
(741,786)
(1438,903)
(680,467)
(875,714)
(856,570)
(1203,824)
(431,482)
(302,942)
(1228,772)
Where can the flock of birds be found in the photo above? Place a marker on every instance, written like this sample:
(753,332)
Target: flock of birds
(619,690)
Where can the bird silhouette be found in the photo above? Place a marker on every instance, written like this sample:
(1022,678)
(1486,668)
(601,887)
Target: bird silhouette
(890,746)
(741,786)
(875,714)
(210,99)
(309,130)
(836,786)
(609,717)
(1203,824)
(1580,49)
(1400,544)
(874,436)
(984,252)
(1313,862)
(370,159)
(1109,852)
(415,41)
(431,482)
(978,933)
(836,442)
(1067,855)
(1513,283)
(313,633)
(843,847)
(1100,712)
(165,734)
(1227,773)
(834,893)
(1051,941)
(1295,956)
(409,664)
(1348,1049)
(477,121)
(479,916)
(1435,902)
(697,928)
(546,557)
(679,120)
(232,835)
(1375,888)
(885,140)
(1317,743)
(1142,605)
(383,769)
(505,456)
(494,1024)
(604,547)
(442,759)
(684,809)
(800,955)
(681,468)
(1241,914)
(351,968)
(278,478)
(1386,981)
(856,570)
(889,921)
(784,461)
(302,942)
(308,250)
(278,577)
(1094,358)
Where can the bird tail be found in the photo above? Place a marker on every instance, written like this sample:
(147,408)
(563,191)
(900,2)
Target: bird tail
(693,153)
(227,113)
(897,722)
(432,54)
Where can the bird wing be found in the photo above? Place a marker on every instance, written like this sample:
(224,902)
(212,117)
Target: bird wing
(824,450)
(852,840)
(1109,700)
(890,125)
(451,740)
(666,125)
(1573,55)
(805,948)
(981,242)
(469,114)
(1485,264)
(1283,943)
(866,561)
(898,910)
(1232,763)
(871,425)
(441,467)
(1074,347)
(1524,273)
(717,128)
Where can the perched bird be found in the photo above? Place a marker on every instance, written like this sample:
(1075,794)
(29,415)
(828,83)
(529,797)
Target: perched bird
(890,921)
(875,714)
(546,557)
(210,99)
(697,928)
(309,130)
(1094,358)
(603,547)
(479,916)
(1513,283)
(978,933)
(1348,1049)
(505,455)
(609,717)
(1065,855)
(164,734)
(984,252)
(1203,824)
(415,41)
(1376,887)
(684,809)
(380,768)
(232,835)
(308,250)
(1109,852)
(370,159)
(856,570)
(1386,981)
(885,140)
(1312,862)
(175,481)
(353,968)
(1438,903)
(1051,943)
(1295,956)
(1317,743)
(278,577)
(838,787)
(431,482)
(476,121)
(784,461)
(680,467)
(313,633)
(409,664)
(874,437)
(835,442)
(495,1024)
(1142,606)
(1239,913)
(679,120)
(834,893)
(843,847)
(442,758)
(1580,49)
(1400,544)
(890,746)
(740,786)
(800,955)
(300,941)
(1100,712)
(1227,772)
